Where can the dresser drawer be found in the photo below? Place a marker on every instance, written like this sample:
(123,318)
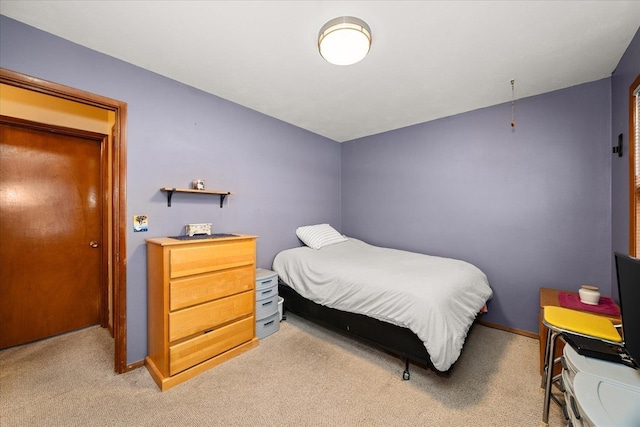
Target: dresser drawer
(197,319)
(190,291)
(189,260)
(205,346)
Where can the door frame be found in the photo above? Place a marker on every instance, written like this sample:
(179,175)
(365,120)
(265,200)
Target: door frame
(118,200)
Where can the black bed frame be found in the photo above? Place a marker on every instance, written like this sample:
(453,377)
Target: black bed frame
(393,339)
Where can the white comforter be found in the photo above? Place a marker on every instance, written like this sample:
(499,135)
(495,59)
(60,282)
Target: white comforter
(436,298)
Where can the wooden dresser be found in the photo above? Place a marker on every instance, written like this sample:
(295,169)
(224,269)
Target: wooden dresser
(201,305)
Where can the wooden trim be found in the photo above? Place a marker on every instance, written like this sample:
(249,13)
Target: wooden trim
(35,84)
(61,130)
(507,329)
(632,175)
(135,365)
(105,192)
(120,238)
(118,190)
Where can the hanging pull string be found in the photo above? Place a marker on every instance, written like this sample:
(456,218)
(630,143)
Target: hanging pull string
(513,104)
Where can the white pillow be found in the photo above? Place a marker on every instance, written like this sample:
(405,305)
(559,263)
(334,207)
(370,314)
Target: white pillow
(320,235)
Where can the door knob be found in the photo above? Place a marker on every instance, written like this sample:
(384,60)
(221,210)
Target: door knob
(93,244)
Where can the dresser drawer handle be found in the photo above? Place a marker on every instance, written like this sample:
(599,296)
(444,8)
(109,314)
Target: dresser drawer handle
(267,303)
(266,281)
(268,323)
(266,292)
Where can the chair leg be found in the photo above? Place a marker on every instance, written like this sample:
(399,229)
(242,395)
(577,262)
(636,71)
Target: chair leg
(551,344)
(546,358)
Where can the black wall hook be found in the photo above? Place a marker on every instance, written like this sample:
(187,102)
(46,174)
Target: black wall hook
(618,149)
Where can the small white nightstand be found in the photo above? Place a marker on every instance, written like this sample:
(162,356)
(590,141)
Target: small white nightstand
(267,315)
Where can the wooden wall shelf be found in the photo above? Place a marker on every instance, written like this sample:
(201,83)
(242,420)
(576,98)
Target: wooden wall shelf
(171,190)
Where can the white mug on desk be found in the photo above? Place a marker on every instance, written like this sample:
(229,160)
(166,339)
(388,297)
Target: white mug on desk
(589,295)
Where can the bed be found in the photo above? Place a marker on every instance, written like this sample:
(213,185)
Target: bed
(416,306)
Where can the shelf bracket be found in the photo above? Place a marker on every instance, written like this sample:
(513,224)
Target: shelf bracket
(222,197)
(169,195)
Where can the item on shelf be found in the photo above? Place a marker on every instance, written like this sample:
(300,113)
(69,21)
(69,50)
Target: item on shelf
(198,184)
(589,295)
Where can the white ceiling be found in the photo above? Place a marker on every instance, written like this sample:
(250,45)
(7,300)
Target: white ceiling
(429,59)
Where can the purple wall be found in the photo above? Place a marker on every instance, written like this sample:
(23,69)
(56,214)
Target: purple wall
(530,206)
(283,176)
(625,73)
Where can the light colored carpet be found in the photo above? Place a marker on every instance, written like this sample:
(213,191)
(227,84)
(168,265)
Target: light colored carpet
(302,375)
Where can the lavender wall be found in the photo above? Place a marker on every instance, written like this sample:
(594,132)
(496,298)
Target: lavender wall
(283,176)
(625,73)
(530,206)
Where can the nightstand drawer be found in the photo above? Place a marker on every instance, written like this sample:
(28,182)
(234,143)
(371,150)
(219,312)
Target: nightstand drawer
(267,292)
(206,346)
(266,307)
(188,260)
(190,291)
(197,319)
(265,279)
(267,326)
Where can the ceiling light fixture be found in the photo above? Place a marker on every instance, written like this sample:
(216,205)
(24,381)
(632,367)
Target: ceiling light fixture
(344,41)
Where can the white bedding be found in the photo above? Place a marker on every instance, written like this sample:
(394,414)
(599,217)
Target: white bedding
(436,298)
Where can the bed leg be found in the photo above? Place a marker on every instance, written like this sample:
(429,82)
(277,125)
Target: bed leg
(406,375)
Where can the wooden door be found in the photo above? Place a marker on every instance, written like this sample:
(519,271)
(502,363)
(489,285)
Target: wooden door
(51,230)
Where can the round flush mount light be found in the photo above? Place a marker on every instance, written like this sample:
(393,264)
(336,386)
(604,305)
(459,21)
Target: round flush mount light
(344,41)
